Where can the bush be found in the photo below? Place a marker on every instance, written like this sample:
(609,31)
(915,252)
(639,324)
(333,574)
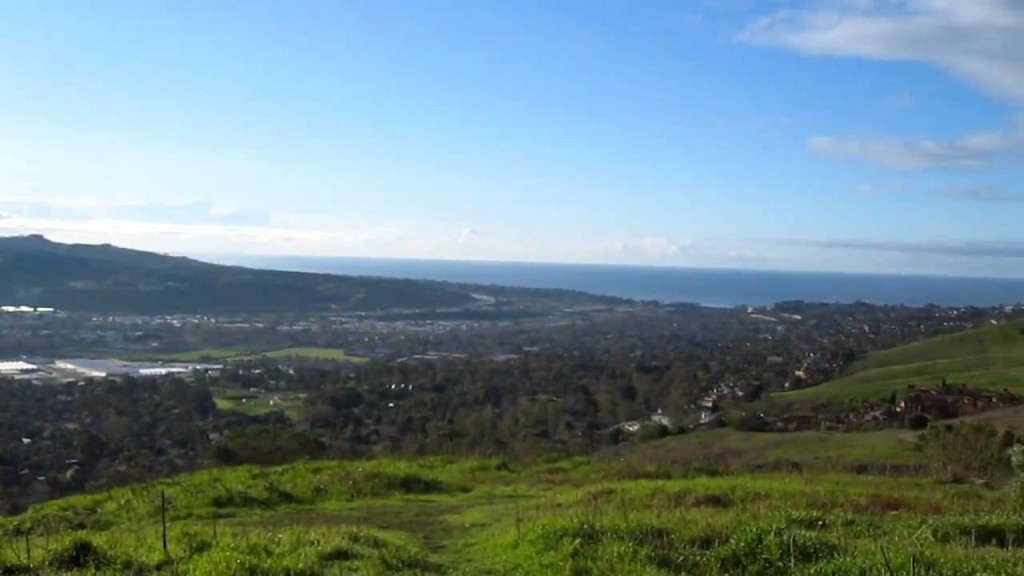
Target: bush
(999,531)
(750,422)
(79,554)
(266,446)
(651,431)
(970,448)
(917,421)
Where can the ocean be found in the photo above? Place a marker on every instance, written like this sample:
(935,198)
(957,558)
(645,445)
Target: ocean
(709,287)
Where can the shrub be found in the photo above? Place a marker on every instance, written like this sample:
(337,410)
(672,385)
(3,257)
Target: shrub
(917,421)
(651,431)
(79,554)
(980,530)
(972,448)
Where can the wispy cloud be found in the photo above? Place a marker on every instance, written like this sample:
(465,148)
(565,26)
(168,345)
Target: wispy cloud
(902,100)
(996,249)
(972,150)
(37,206)
(980,41)
(984,193)
(324,236)
(650,246)
(467,234)
(871,187)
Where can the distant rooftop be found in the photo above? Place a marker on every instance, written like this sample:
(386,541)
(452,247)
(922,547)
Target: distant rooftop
(14,366)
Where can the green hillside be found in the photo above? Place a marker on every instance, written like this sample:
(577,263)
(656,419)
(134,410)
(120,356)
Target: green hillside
(35,271)
(483,516)
(989,357)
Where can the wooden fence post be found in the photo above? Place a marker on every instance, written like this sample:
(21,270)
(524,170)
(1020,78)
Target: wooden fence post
(163,518)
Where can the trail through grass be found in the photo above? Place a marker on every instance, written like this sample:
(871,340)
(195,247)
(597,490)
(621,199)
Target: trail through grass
(438,516)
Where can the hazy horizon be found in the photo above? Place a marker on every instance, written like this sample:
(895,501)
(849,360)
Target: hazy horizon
(256,259)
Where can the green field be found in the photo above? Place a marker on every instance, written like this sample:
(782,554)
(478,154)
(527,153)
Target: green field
(257,404)
(212,354)
(309,352)
(991,357)
(435,516)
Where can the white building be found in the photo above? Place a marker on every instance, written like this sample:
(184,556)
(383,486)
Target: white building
(163,371)
(16,367)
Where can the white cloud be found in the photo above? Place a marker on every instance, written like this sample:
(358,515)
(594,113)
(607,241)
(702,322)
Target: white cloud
(895,186)
(321,236)
(980,41)
(983,193)
(197,230)
(972,150)
(968,248)
(182,211)
(648,247)
(467,235)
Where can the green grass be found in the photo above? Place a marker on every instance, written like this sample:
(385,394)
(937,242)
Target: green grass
(725,450)
(310,352)
(482,516)
(257,404)
(989,357)
(202,354)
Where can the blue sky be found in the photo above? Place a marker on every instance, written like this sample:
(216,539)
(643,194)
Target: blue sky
(854,135)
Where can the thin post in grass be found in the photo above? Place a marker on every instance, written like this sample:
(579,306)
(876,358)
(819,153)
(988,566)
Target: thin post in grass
(888,565)
(518,524)
(163,518)
(12,545)
(792,556)
(28,550)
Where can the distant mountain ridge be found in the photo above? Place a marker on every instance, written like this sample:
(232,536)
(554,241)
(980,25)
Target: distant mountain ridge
(35,271)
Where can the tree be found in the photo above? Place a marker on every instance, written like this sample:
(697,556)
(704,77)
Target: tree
(970,448)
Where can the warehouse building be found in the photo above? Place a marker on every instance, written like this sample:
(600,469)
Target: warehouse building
(16,367)
(112,368)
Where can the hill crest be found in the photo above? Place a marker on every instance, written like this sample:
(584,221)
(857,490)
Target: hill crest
(102,278)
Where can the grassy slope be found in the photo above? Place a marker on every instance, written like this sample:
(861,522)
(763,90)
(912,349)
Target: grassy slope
(483,517)
(726,449)
(990,357)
